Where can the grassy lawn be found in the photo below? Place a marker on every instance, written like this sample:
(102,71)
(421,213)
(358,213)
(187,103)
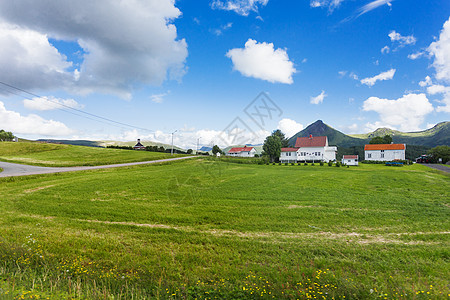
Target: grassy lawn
(58,155)
(207,229)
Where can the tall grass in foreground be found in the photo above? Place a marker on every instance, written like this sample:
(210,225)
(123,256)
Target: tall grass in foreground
(207,229)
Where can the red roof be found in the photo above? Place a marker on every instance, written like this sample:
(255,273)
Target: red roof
(385,147)
(311,141)
(289,149)
(240,149)
(350,157)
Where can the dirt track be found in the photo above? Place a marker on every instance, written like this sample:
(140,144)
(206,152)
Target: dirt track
(10,169)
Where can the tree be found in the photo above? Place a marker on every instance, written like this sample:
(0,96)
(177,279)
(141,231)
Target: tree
(6,136)
(440,152)
(216,149)
(272,147)
(282,137)
(387,139)
(189,151)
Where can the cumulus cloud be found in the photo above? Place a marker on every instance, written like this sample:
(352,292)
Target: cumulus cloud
(50,103)
(318,99)
(262,61)
(158,98)
(438,89)
(425,82)
(414,56)
(331,4)
(406,113)
(385,49)
(440,50)
(402,40)
(124,43)
(31,124)
(370,81)
(241,7)
(289,127)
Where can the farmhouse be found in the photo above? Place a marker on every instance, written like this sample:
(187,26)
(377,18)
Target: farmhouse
(242,151)
(309,149)
(139,146)
(384,152)
(350,160)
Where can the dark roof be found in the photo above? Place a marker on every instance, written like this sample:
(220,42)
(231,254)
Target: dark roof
(311,141)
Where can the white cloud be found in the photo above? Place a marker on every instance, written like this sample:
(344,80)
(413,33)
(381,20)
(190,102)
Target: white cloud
(31,124)
(50,103)
(241,7)
(318,99)
(222,28)
(342,73)
(373,5)
(426,82)
(406,113)
(437,89)
(414,56)
(353,128)
(331,4)
(441,52)
(385,49)
(289,127)
(370,81)
(124,43)
(402,40)
(260,60)
(158,98)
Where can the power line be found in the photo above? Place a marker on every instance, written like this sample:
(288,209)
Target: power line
(86,114)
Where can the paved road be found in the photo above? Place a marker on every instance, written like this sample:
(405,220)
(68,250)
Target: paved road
(438,167)
(10,169)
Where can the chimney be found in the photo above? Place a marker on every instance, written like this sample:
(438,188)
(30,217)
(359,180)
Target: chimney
(139,140)
(310,136)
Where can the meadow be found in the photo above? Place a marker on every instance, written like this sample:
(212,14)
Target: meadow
(60,155)
(209,229)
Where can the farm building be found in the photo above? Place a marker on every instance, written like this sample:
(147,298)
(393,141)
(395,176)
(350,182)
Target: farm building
(350,160)
(384,152)
(139,146)
(309,149)
(242,152)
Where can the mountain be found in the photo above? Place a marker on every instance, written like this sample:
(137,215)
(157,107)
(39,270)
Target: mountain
(335,137)
(438,135)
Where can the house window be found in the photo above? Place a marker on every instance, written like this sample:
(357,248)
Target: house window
(382,151)
(369,155)
(382,154)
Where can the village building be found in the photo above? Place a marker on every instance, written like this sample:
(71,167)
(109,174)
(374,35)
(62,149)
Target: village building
(242,151)
(350,160)
(312,148)
(384,152)
(139,146)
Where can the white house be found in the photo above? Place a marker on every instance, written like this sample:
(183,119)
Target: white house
(350,160)
(309,149)
(288,155)
(242,152)
(384,152)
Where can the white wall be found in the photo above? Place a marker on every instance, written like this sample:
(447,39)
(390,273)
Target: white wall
(288,157)
(386,155)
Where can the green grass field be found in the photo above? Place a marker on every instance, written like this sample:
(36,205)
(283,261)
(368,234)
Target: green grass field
(207,229)
(58,155)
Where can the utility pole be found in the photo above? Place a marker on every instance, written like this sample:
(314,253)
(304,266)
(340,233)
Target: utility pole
(171,151)
(196,152)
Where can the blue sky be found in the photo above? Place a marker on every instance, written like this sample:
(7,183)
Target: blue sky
(195,66)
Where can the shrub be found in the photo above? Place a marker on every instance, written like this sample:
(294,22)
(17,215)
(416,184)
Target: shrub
(330,163)
(299,164)
(279,163)
(305,164)
(348,166)
(321,163)
(292,164)
(338,164)
(312,164)
(286,164)
(273,164)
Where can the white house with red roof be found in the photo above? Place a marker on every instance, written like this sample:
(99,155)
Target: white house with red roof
(242,151)
(350,160)
(384,152)
(312,148)
(139,146)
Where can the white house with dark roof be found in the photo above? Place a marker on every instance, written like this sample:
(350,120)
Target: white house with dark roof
(384,152)
(242,151)
(139,146)
(312,148)
(350,160)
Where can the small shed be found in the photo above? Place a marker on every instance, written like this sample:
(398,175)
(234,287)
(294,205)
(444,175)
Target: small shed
(350,160)
(139,146)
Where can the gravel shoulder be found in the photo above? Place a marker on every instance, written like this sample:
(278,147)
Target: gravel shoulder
(433,166)
(12,170)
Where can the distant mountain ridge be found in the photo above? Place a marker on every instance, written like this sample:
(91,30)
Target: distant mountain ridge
(436,136)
